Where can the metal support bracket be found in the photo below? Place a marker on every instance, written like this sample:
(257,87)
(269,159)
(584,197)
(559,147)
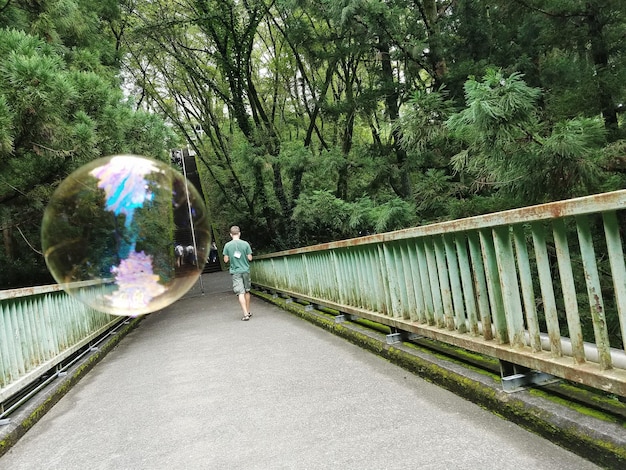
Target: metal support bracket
(309,308)
(394,338)
(413,336)
(5,421)
(397,335)
(516,377)
(288,300)
(344,317)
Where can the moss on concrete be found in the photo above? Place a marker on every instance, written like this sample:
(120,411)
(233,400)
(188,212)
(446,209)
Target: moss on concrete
(576,406)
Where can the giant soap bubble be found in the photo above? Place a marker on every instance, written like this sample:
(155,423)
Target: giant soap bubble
(110,231)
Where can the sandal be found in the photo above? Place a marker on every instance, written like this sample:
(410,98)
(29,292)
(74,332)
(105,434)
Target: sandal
(245,318)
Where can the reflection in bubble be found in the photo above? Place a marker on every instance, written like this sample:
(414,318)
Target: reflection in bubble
(109,232)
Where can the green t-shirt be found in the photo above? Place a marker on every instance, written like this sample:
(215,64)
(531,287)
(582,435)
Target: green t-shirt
(237,252)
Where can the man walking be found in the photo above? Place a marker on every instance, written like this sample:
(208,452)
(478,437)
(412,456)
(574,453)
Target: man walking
(238,253)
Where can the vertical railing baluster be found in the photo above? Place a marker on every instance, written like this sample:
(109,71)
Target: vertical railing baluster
(347,274)
(29,333)
(322,269)
(528,291)
(386,307)
(357,291)
(364,279)
(393,281)
(333,287)
(547,288)
(493,286)
(314,273)
(353,275)
(438,311)
(467,283)
(510,287)
(302,281)
(60,339)
(618,271)
(376,278)
(319,273)
(287,270)
(339,276)
(594,291)
(569,290)
(409,308)
(295,272)
(418,311)
(427,291)
(455,284)
(5,360)
(47,342)
(16,342)
(444,282)
(359,277)
(480,284)
(308,269)
(273,273)
(395,250)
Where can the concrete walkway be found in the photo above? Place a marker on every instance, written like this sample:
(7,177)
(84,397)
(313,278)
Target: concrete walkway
(194,387)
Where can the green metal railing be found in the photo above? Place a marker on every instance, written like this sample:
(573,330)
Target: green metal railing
(542,287)
(40,328)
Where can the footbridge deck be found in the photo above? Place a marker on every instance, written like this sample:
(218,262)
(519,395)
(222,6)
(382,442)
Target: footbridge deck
(194,387)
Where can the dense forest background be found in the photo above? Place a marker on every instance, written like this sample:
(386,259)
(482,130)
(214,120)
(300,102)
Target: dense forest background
(313,120)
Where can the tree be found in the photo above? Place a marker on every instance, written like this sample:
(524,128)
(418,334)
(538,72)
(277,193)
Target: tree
(509,150)
(573,50)
(60,106)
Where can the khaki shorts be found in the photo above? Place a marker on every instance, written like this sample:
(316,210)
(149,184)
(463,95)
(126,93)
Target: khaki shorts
(241,283)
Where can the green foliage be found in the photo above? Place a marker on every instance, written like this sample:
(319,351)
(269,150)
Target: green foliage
(319,116)
(499,110)
(423,120)
(6,123)
(510,151)
(54,117)
(394,214)
(565,74)
(432,193)
(322,217)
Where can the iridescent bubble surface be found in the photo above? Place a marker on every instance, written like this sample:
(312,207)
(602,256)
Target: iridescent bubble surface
(110,232)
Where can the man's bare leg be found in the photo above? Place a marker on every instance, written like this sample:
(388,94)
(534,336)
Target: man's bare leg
(243,303)
(247,296)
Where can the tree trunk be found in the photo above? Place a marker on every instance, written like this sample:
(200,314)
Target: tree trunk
(393,112)
(8,244)
(600,56)
(436,59)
